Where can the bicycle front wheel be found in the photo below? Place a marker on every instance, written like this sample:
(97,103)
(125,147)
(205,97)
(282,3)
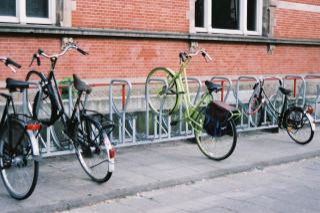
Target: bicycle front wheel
(161,89)
(92,148)
(19,169)
(216,147)
(298,125)
(43,108)
(255,111)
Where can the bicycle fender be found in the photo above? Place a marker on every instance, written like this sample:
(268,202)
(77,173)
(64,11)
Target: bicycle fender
(35,145)
(313,125)
(108,145)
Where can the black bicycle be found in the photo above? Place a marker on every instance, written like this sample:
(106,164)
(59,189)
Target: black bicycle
(19,150)
(87,130)
(298,122)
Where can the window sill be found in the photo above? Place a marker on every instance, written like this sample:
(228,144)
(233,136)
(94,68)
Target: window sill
(135,34)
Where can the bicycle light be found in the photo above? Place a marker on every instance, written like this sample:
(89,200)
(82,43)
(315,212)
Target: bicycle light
(112,153)
(33,127)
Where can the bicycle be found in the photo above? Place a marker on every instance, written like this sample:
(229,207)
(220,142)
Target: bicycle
(167,90)
(298,122)
(19,151)
(86,130)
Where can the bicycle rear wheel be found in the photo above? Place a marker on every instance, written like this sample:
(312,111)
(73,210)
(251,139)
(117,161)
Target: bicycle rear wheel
(298,125)
(19,169)
(162,91)
(216,147)
(93,151)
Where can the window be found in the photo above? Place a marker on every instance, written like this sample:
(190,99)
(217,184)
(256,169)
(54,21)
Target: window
(28,11)
(229,16)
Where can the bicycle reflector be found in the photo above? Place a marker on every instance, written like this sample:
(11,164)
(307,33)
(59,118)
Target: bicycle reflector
(33,127)
(112,153)
(309,110)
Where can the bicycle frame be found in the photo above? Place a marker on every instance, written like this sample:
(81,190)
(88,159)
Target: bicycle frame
(77,115)
(273,112)
(181,80)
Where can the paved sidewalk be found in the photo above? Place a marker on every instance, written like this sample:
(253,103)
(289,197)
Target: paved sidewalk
(63,185)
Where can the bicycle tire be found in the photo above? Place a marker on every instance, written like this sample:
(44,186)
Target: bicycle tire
(60,140)
(92,150)
(298,125)
(255,111)
(19,174)
(215,148)
(159,95)
(47,110)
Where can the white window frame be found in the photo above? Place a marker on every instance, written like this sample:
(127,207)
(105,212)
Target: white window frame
(243,20)
(22,18)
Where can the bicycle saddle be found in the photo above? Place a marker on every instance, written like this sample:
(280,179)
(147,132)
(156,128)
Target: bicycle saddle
(13,85)
(285,91)
(80,85)
(212,87)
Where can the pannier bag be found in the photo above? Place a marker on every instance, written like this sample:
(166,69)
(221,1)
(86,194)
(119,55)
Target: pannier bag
(216,120)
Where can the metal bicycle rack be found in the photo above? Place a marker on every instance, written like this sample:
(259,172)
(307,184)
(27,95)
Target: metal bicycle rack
(121,114)
(224,92)
(157,118)
(299,90)
(157,126)
(315,101)
(273,101)
(242,105)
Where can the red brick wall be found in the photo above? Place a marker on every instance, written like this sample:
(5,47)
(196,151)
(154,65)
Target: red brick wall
(163,15)
(297,24)
(167,15)
(313,2)
(248,59)
(115,58)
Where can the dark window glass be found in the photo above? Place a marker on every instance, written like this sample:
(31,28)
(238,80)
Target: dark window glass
(252,15)
(225,14)
(37,8)
(199,13)
(7,8)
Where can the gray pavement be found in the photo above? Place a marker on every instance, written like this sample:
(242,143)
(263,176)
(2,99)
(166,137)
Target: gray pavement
(292,187)
(63,185)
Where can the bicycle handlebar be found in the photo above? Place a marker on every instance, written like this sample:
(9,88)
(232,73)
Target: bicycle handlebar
(184,56)
(10,63)
(70,45)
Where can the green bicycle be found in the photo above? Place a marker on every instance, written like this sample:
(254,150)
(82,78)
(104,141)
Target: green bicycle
(212,121)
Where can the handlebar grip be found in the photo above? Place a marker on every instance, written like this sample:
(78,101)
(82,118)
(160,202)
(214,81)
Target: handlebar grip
(12,62)
(255,85)
(40,51)
(183,56)
(206,56)
(82,51)
(35,56)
